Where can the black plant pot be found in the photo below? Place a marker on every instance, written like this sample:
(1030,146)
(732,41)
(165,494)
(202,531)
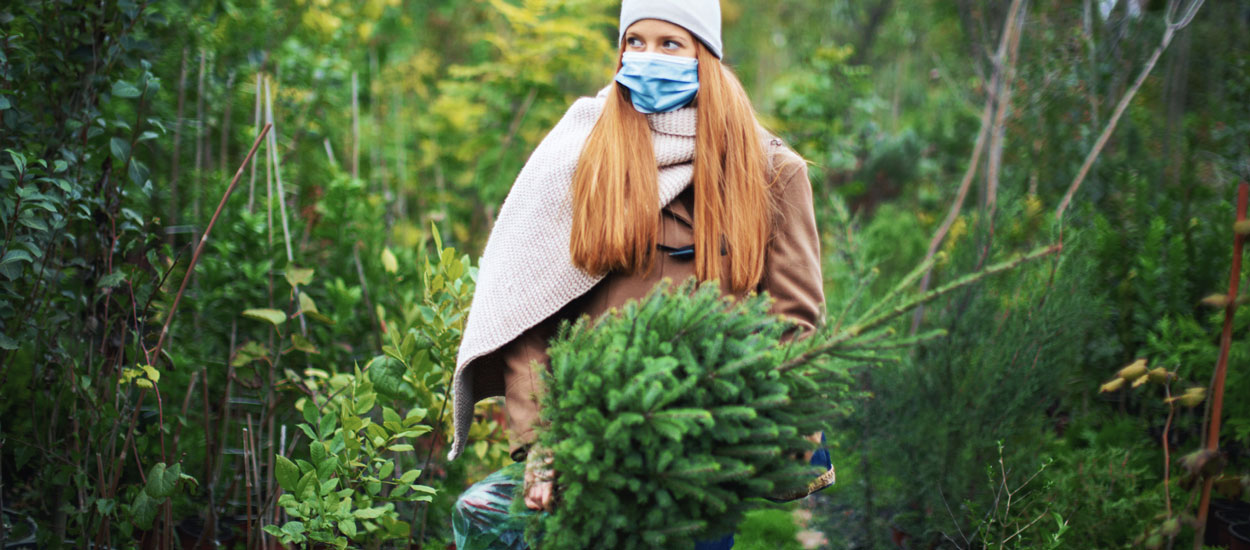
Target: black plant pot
(1221,515)
(191,532)
(1239,536)
(21,531)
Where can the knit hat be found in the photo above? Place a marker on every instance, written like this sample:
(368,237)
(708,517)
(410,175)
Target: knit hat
(700,17)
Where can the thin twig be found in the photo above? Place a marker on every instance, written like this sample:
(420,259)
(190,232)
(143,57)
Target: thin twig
(977,149)
(199,249)
(1168,34)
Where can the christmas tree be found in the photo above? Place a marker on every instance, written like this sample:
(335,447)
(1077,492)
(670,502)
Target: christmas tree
(666,417)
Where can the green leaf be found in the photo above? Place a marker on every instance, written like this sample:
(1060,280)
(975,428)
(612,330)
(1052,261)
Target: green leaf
(59,166)
(19,160)
(387,375)
(16,255)
(302,344)
(389,262)
(296,276)
(251,351)
(111,280)
(403,447)
(317,451)
(306,488)
(4,103)
(348,527)
(287,473)
(293,528)
(369,513)
(312,414)
(364,403)
(409,476)
(120,148)
(139,173)
(162,481)
(143,511)
(8,343)
(271,316)
(389,415)
(326,427)
(326,467)
(121,88)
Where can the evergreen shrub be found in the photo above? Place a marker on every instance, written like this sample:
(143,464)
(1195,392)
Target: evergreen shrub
(668,417)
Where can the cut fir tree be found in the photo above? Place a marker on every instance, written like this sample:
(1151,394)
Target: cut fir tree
(665,418)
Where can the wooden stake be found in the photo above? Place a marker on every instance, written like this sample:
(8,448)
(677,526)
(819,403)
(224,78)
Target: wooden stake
(277,178)
(251,184)
(176,161)
(1221,364)
(199,142)
(224,148)
(355,127)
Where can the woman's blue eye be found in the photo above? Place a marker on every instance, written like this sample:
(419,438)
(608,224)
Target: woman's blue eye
(671,45)
(634,42)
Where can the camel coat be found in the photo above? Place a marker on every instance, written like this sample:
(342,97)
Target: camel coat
(791,276)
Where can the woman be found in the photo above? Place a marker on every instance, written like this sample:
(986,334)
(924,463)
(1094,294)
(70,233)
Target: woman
(665,174)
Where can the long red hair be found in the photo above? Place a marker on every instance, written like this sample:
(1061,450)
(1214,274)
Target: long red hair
(616,210)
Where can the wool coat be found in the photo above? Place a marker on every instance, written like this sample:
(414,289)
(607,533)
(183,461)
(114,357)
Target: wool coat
(792,277)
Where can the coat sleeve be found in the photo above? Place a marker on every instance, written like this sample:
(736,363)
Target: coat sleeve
(524,360)
(792,274)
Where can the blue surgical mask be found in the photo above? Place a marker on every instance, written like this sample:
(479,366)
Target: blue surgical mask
(659,83)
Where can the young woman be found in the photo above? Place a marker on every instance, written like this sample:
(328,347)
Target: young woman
(665,174)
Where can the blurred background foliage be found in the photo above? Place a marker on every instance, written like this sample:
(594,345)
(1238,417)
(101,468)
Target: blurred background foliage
(343,263)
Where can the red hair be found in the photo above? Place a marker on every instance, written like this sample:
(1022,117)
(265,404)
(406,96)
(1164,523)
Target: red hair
(616,209)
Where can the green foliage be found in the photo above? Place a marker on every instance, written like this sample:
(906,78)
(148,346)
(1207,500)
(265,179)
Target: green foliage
(667,417)
(352,473)
(767,529)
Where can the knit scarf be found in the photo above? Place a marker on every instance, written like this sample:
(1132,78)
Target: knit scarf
(526,273)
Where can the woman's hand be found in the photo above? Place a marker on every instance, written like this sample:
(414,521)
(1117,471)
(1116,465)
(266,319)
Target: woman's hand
(539,480)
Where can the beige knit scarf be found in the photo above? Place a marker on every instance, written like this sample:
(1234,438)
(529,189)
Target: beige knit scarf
(526,273)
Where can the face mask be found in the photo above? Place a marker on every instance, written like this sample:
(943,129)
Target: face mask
(659,83)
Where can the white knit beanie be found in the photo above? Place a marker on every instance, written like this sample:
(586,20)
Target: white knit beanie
(700,17)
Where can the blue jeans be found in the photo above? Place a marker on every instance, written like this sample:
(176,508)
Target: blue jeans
(481,518)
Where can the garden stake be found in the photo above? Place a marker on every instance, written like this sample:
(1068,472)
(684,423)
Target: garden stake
(251,182)
(1221,365)
(175,161)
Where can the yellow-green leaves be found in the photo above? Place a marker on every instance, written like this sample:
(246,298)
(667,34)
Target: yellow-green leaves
(271,316)
(1242,227)
(1216,301)
(1191,398)
(1111,386)
(144,376)
(1133,371)
(296,276)
(389,262)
